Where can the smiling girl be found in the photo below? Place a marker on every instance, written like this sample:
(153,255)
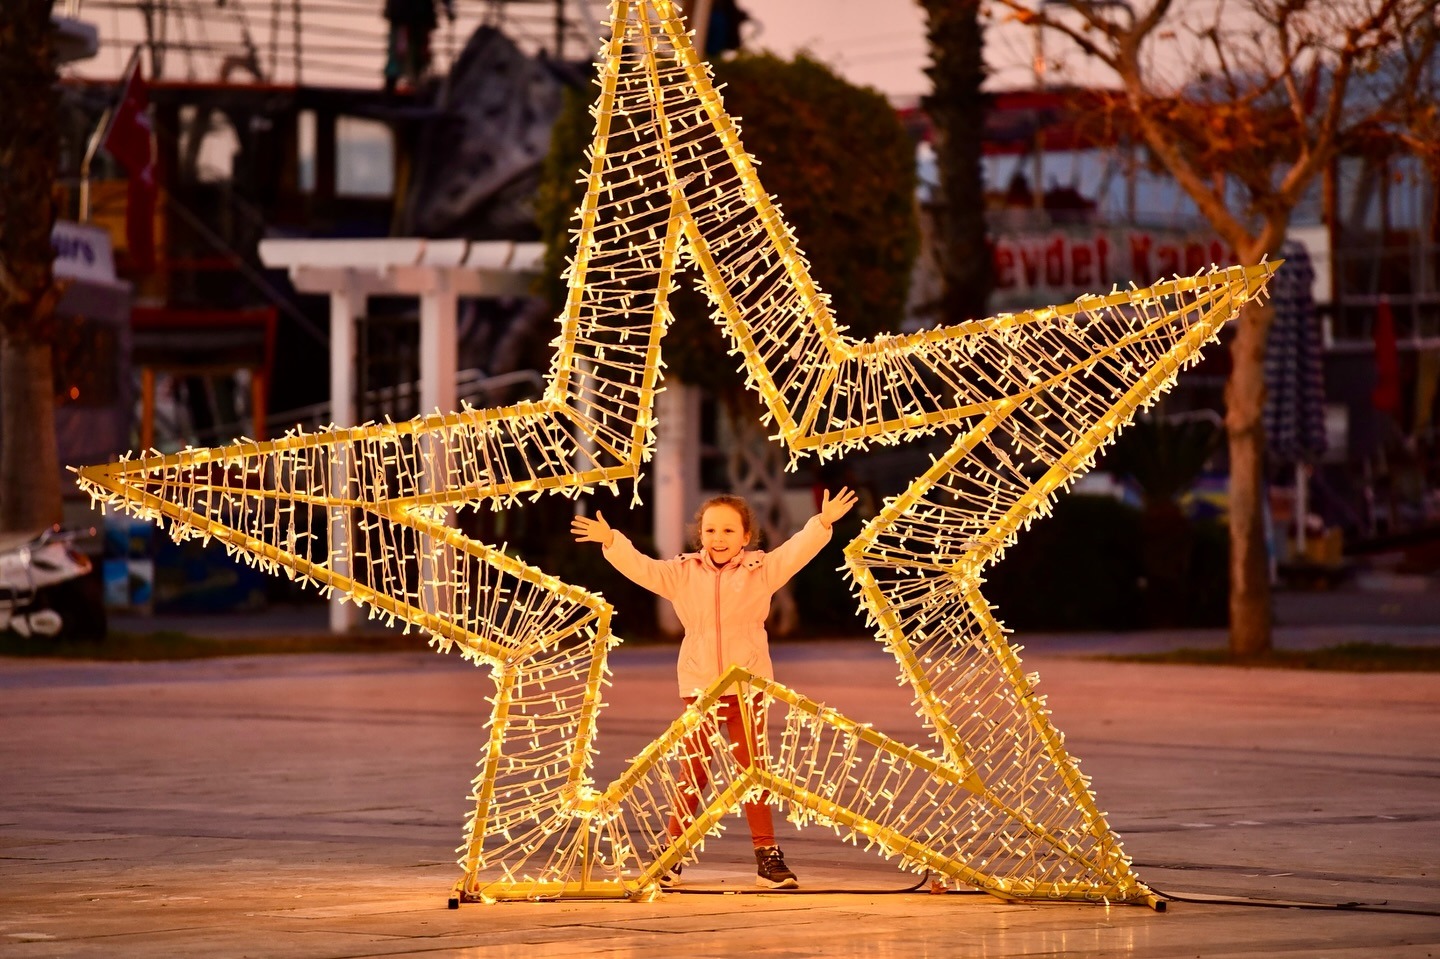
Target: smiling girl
(721,596)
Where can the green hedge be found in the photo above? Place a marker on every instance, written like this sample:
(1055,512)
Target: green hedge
(1095,564)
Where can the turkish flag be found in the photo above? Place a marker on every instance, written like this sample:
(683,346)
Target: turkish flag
(130,140)
(1385,397)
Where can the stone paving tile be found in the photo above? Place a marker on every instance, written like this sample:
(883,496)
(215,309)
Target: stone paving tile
(307,808)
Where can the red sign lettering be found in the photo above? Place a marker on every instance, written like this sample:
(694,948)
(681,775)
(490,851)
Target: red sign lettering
(1063,266)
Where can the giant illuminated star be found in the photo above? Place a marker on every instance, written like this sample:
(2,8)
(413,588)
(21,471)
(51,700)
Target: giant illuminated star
(995,801)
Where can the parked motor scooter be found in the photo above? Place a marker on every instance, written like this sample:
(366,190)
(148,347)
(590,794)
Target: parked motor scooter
(43,587)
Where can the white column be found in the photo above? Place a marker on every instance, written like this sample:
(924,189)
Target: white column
(346,304)
(438,352)
(698,15)
(677,477)
(439,358)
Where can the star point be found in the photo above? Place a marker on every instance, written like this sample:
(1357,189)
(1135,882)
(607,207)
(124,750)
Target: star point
(995,801)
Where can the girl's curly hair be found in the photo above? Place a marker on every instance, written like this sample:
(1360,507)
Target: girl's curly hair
(737,503)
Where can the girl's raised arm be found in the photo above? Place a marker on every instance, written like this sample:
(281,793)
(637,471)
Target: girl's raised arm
(587,530)
(785,560)
(833,509)
(655,575)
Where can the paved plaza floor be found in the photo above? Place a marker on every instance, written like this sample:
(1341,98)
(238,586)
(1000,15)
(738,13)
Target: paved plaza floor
(308,807)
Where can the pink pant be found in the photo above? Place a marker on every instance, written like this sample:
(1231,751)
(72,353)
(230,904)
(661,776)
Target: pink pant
(743,746)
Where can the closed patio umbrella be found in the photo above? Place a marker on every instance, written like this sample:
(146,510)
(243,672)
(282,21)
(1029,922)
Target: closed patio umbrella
(1294,375)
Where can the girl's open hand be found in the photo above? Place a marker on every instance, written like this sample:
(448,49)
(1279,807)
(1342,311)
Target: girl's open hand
(831,509)
(589,530)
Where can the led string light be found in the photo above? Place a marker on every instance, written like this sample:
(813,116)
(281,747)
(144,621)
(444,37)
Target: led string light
(995,801)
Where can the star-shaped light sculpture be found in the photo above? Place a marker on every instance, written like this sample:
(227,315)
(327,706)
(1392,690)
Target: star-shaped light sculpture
(995,801)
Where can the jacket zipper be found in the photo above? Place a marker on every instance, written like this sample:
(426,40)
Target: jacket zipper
(719,642)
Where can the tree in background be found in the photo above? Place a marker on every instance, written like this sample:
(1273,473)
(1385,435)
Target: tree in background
(1163,459)
(29,154)
(956,108)
(842,168)
(1244,111)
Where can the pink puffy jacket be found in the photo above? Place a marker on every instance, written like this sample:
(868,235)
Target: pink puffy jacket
(723,608)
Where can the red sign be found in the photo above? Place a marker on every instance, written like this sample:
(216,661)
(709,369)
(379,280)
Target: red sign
(1064,266)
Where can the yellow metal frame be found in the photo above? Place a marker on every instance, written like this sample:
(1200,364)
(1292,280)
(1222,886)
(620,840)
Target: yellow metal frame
(998,803)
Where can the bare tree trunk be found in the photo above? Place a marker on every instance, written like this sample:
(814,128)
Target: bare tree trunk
(29,153)
(29,460)
(1249,563)
(1228,131)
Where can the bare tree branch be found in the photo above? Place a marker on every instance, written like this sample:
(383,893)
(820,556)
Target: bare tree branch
(1317,150)
(1266,111)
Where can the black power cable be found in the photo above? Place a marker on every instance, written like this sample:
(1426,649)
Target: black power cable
(924,878)
(1172,897)
(1292,904)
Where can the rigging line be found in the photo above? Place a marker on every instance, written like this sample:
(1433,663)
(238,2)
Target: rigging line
(220,47)
(200,30)
(256,278)
(274,39)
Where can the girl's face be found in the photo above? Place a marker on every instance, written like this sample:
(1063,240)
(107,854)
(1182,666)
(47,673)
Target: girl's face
(722,533)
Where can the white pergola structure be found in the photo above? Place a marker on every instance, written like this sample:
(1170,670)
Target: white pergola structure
(437,272)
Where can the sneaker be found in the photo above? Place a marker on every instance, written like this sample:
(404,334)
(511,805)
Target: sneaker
(670,878)
(771,871)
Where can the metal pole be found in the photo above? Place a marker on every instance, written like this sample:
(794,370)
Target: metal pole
(299,40)
(98,137)
(274,39)
(1302,507)
(90,150)
(700,24)
(1037,185)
